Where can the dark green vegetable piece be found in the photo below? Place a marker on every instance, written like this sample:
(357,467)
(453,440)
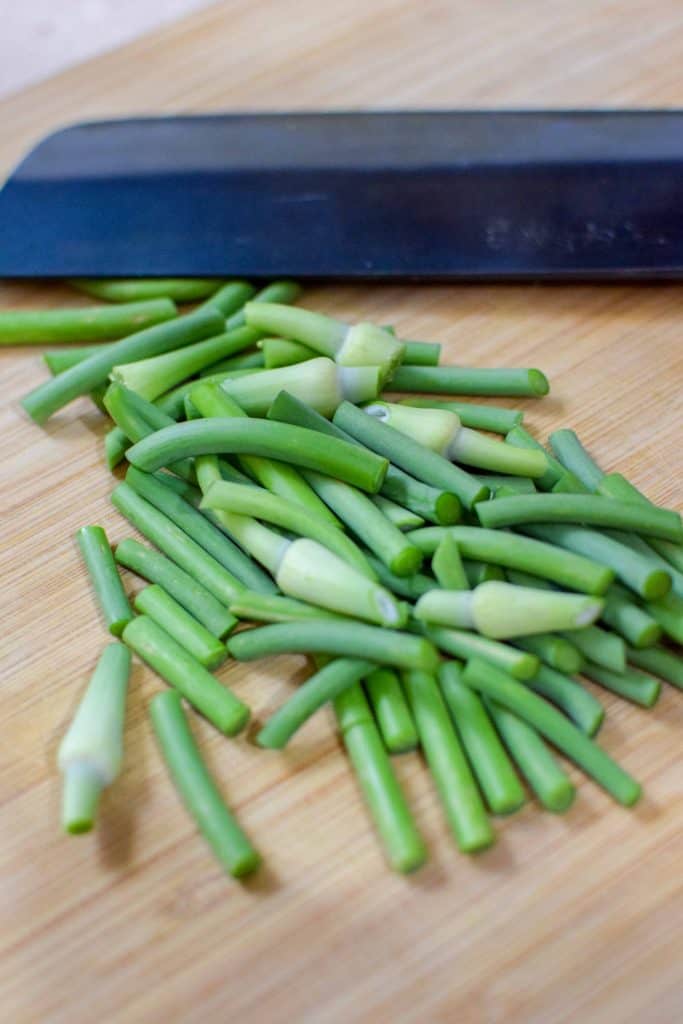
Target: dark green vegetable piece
(457,789)
(599,646)
(555,472)
(158,605)
(630,684)
(491,765)
(188,592)
(137,289)
(295,445)
(512,551)
(198,528)
(90,323)
(172,541)
(277,291)
(627,619)
(345,639)
(105,579)
(590,509)
(403,844)
(549,782)
(177,666)
(547,720)
(197,789)
(462,644)
(82,378)
(331,680)
(571,697)
(575,458)
(659,662)
(556,651)
(631,567)
(383,688)
(460,380)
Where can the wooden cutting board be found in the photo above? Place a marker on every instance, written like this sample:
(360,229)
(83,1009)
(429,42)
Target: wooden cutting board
(565,919)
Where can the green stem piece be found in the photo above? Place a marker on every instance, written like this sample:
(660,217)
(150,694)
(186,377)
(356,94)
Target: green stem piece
(631,567)
(552,724)
(402,518)
(276,291)
(368,523)
(447,565)
(296,445)
(243,361)
(155,376)
(256,607)
(480,417)
(88,374)
(331,680)
(197,789)
(344,639)
(430,503)
(659,662)
(91,323)
(408,455)
(491,765)
(91,752)
(177,666)
(456,786)
(159,606)
(575,458)
(176,544)
(410,587)
(187,591)
(230,299)
(60,359)
(105,579)
(600,646)
(138,289)
(580,508)
(501,484)
(566,568)
(199,529)
(462,644)
(461,380)
(628,619)
(388,702)
(668,612)
(571,697)
(282,352)
(550,783)
(384,798)
(630,684)
(614,485)
(421,353)
(556,651)
(135,418)
(555,473)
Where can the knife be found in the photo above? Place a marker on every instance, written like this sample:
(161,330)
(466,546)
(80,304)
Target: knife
(421,195)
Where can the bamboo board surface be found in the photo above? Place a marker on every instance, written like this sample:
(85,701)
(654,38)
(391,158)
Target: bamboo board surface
(565,919)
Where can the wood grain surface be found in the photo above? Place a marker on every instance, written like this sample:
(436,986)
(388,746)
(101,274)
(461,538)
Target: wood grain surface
(565,919)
